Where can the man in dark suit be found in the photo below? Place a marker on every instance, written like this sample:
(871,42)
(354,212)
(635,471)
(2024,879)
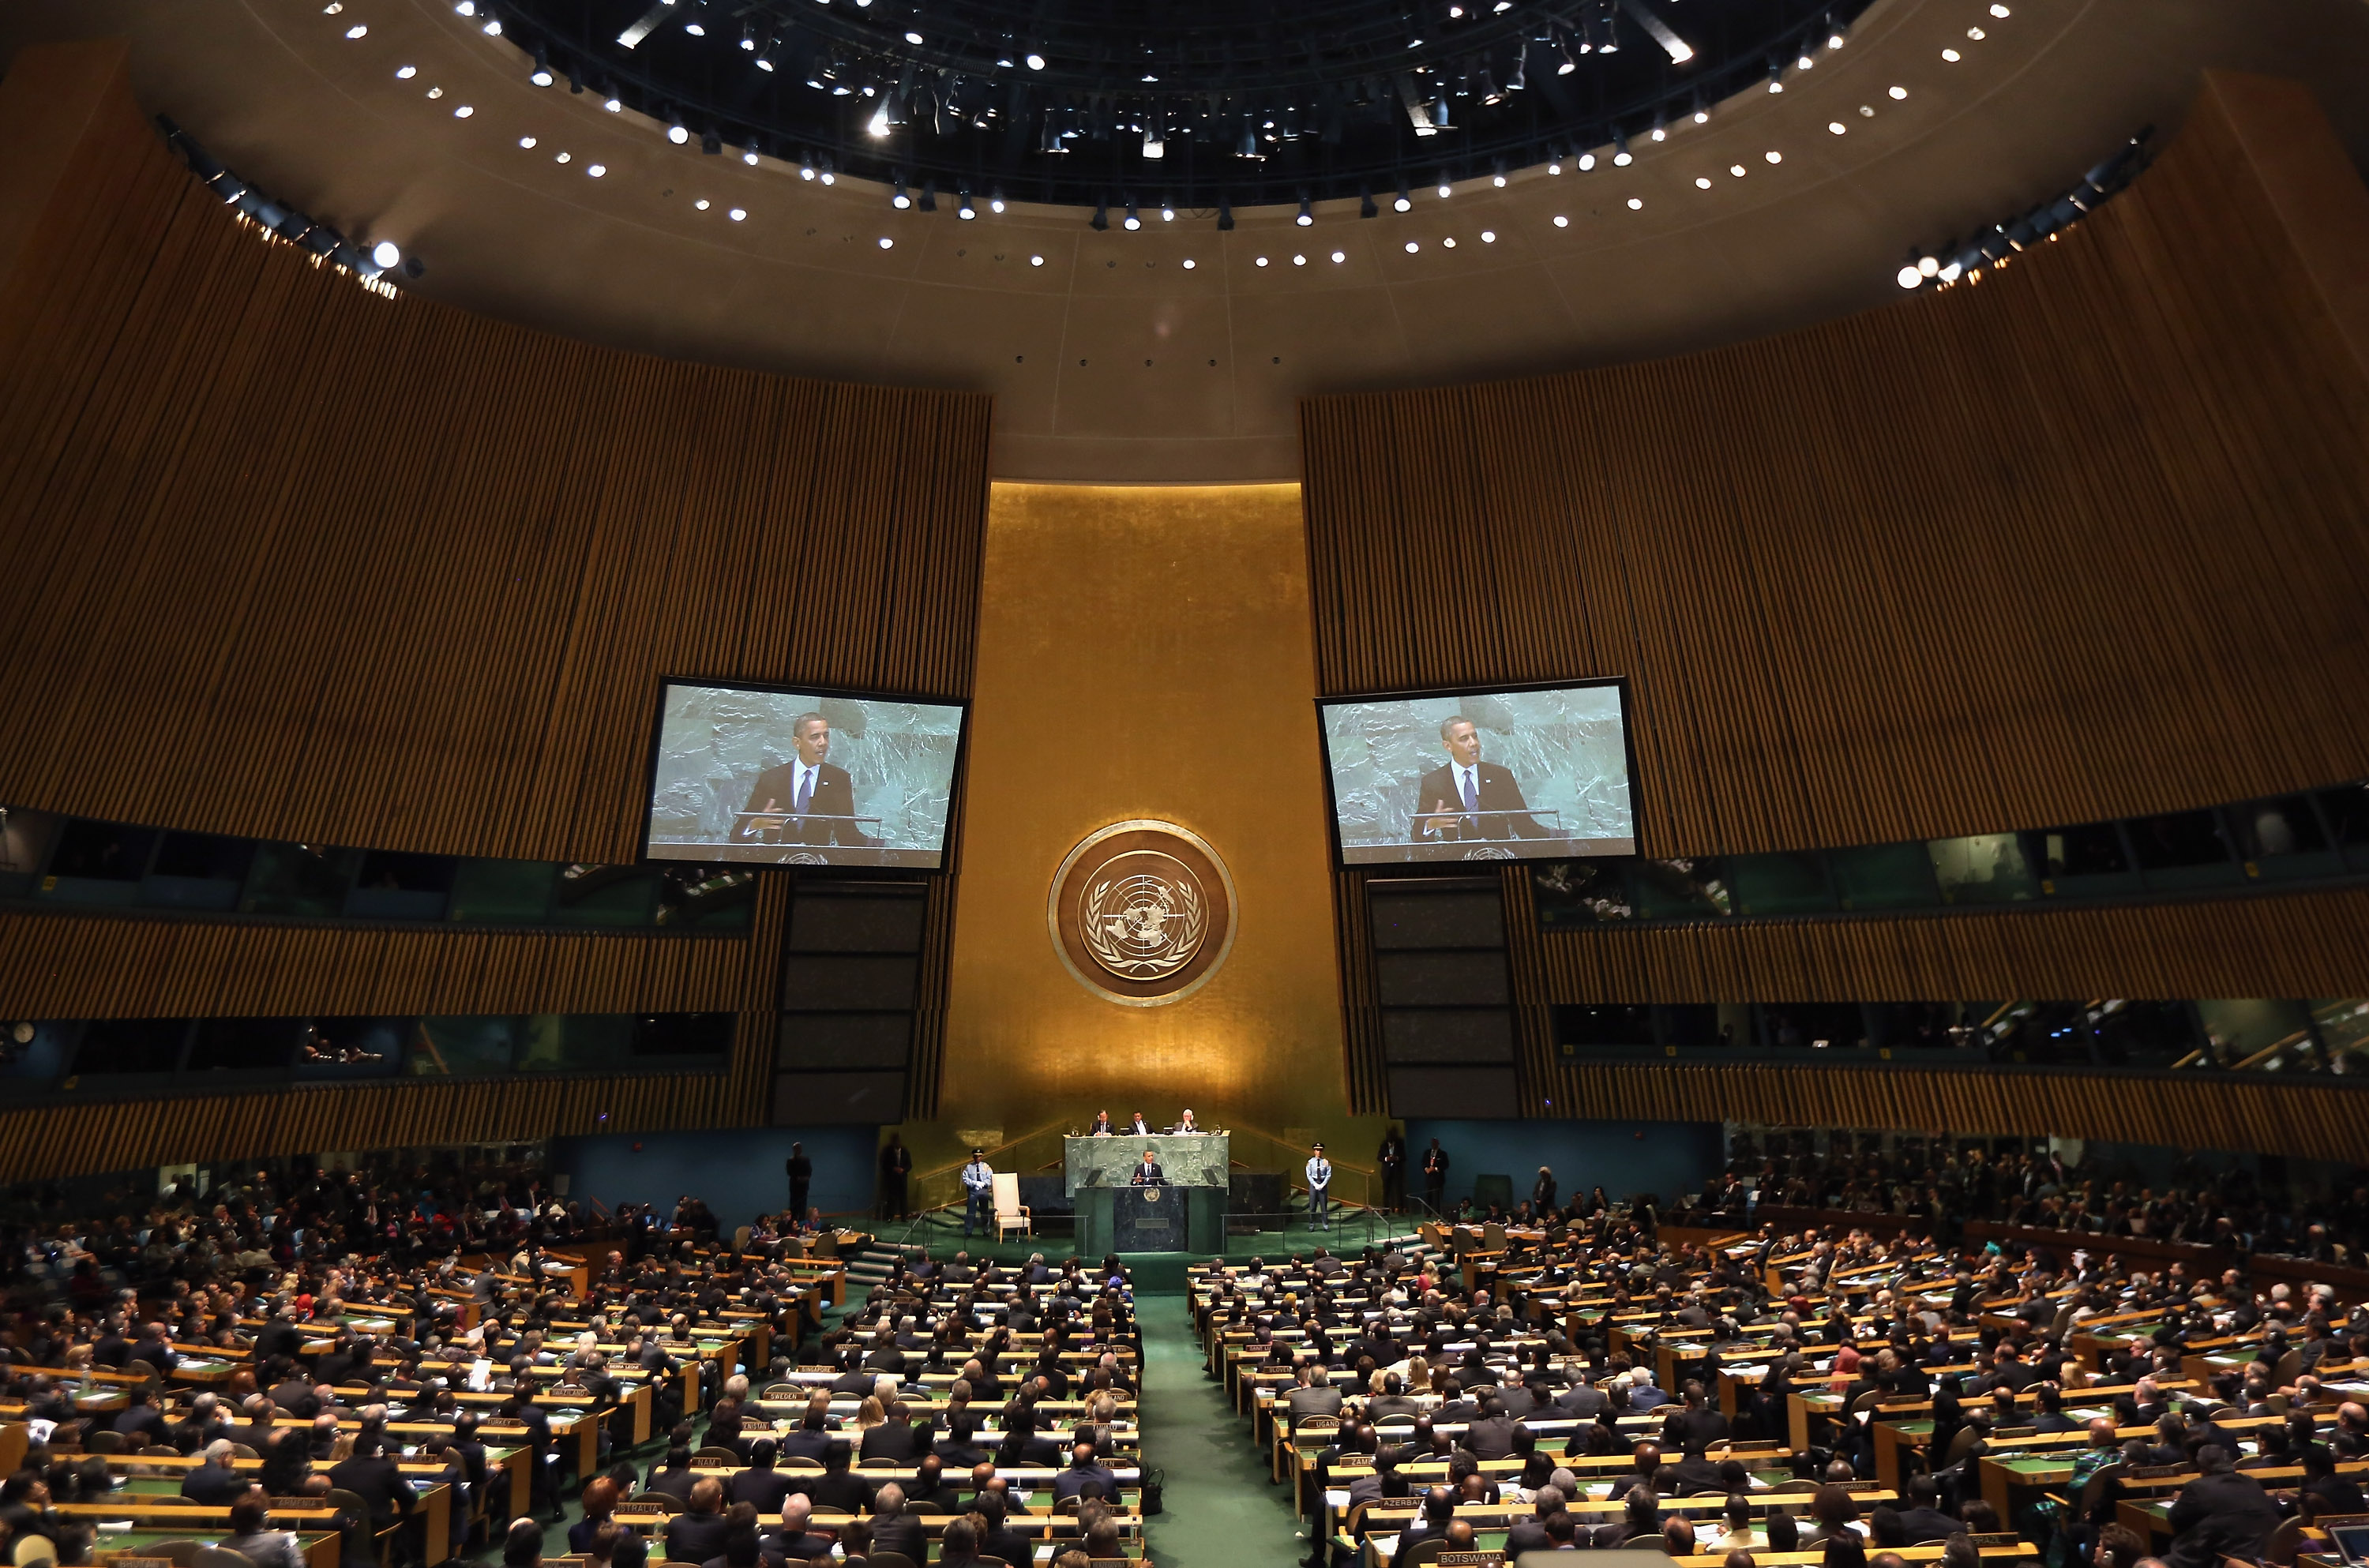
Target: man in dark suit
(1149,1174)
(791,1542)
(214,1483)
(805,801)
(1530,1534)
(2220,1513)
(1438,1508)
(893,1530)
(760,1485)
(697,1534)
(377,1481)
(1923,1518)
(1083,1468)
(1434,1176)
(1468,798)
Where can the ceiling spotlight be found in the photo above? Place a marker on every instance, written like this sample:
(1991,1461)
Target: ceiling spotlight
(612,103)
(1776,77)
(596,170)
(1562,44)
(695,28)
(1306,217)
(1405,202)
(1586,162)
(386,254)
(404,73)
(711,143)
(465,7)
(677,133)
(1702,111)
(1134,220)
(493,28)
(1101,219)
(1620,158)
(765,55)
(963,207)
(1806,59)
(1154,142)
(878,124)
(1909,277)
(1446,189)
(886,244)
(995,200)
(360,29)
(2001,12)
(1660,127)
(1167,211)
(929,203)
(1927,266)
(900,200)
(1247,146)
(1050,141)
(1035,261)
(913,37)
(1897,93)
(1036,61)
(749,155)
(1498,179)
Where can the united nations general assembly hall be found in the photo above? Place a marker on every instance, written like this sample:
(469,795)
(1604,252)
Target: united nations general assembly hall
(1102,784)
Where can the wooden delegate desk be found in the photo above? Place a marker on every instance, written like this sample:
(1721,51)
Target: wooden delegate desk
(435,1501)
(155,1522)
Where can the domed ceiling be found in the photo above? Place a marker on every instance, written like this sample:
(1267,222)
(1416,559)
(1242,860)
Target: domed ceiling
(1547,231)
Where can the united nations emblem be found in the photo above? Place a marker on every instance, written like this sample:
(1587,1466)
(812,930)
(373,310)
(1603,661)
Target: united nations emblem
(1141,912)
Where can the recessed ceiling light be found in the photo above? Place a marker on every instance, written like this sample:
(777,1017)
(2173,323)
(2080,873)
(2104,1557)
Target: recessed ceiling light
(596,170)
(1975,33)
(1450,242)
(1636,203)
(1188,264)
(887,244)
(1773,156)
(1299,261)
(435,92)
(1950,55)
(404,73)
(738,214)
(1039,261)
(560,158)
(1898,93)
(1561,222)
(1412,247)
(2001,12)
(1702,182)
(387,253)
(527,141)
(1488,236)
(612,103)
(1339,256)
(1036,61)
(700,204)
(333,7)
(463,113)
(1738,171)
(360,29)
(912,37)
(1262,261)
(1837,126)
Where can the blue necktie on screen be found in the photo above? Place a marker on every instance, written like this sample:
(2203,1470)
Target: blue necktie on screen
(1471,802)
(806,792)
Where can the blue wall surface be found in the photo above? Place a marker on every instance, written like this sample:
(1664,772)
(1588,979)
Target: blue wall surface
(1623,1158)
(738,1171)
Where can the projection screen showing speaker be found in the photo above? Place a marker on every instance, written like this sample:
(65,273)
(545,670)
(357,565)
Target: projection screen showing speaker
(798,776)
(1533,773)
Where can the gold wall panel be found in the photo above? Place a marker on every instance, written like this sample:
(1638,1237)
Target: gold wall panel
(1145,653)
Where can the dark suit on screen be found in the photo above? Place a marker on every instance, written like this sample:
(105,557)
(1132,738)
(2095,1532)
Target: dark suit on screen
(1503,813)
(833,797)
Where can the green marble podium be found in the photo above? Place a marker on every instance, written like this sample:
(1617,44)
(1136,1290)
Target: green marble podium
(1098,1173)
(1190,1159)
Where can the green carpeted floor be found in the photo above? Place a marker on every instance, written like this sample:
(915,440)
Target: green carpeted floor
(1222,1511)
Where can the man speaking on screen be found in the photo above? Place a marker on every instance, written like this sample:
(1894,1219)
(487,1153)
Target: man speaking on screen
(804,802)
(1470,799)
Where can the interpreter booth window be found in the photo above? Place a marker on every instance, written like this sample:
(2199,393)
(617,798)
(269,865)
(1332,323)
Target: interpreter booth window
(129,1052)
(98,863)
(1582,892)
(393,886)
(2283,837)
(332,1050)
(228,1050)
(1884,876)
(1984,868)
(710,898)
(36,1049)
(1683,889)
(2043,1033)
(1813,1025)
(2184,849)
(1926,1026)
(462,1047)
(2345,809)
(1781,884)
(197,871)
(2342,1024)
(2130,1033)
(1583,1027)
(2085,860)
(604,896)
(309,880)
(502,892)
(1709,1026)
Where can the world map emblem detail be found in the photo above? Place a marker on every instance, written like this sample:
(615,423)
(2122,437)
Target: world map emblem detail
(1141,912)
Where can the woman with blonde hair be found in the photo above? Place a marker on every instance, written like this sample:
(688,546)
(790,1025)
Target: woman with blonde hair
(869,1414)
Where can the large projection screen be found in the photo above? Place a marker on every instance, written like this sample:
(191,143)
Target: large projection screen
(1536,774)
(791,777)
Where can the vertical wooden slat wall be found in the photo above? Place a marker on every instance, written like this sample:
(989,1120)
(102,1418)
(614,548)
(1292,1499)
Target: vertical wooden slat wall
(2081,541)
(293,561)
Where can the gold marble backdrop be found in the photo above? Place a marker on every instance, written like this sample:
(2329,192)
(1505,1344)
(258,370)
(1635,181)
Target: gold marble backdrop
(1146,653)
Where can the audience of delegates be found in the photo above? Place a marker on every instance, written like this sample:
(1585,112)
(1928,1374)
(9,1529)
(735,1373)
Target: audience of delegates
(1515,1372)
(1943,1187)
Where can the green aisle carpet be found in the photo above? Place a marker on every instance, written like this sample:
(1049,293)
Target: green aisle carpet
(1222,1510)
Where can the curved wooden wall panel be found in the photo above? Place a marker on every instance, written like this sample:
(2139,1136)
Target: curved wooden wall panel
(99,967)
(294,561)
(298,562)
(2202,1112)
(2083,541)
